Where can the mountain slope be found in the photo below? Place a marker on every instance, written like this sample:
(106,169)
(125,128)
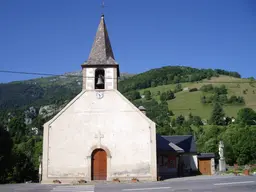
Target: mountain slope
(190,102)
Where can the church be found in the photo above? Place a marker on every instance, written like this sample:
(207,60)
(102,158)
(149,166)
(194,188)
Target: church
(101,135)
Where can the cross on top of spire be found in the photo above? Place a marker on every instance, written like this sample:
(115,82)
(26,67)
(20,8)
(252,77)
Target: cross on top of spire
(103,6)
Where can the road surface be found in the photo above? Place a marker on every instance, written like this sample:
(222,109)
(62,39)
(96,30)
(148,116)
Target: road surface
(191,184)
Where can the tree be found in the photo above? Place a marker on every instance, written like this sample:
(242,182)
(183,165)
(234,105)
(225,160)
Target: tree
(240,99)
(232,99)
(171,113)
(23,168)
(236,100)
(203,99)
(180,119)
(178,88)
(223,98)
(208,140)
(167,96)
(170,95)
(217,115)
(147,94)
(38,122)
(206,88)
(176,79)
(239,144)
(246,116)
(132,95)
(193,78)
(184,130)
(5,153)
(163,96)
(17,128)
(153,84)
(173,122)
(197,121)
(221,90)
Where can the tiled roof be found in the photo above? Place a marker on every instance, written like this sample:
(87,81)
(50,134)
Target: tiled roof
(101,52)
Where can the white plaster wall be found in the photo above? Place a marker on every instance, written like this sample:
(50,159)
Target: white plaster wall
(190,161)
(212,166)
(194,162)
(89,78)
(109,80)
(128,134)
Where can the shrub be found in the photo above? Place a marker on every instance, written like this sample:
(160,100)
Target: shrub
(193,90)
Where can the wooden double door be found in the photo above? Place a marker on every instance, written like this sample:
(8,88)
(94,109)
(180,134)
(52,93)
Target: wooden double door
(205,166)
(99,165)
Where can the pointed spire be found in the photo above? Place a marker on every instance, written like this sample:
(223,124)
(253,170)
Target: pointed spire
(101,52)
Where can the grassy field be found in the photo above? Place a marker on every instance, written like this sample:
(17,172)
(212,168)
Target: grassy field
(189,102)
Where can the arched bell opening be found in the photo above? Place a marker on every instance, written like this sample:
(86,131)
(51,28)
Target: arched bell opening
(99,79)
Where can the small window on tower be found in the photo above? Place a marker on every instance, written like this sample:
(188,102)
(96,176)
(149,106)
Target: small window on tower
(99,79)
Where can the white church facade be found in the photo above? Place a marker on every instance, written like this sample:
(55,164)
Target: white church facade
(101,135)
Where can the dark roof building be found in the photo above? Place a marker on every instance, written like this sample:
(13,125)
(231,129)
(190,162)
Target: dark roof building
(176,143)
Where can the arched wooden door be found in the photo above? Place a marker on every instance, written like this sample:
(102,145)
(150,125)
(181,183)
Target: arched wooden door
(99,164)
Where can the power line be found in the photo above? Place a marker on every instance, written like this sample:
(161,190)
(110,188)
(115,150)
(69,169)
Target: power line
(46,74)
(28,73)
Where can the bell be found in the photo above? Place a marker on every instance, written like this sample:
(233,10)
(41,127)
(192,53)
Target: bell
(100,80)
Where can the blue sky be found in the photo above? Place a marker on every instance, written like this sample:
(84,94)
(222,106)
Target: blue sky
(55,36)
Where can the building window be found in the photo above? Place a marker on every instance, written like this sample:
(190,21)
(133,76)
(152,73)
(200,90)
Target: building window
(166,161)
(162,160)
(99,81)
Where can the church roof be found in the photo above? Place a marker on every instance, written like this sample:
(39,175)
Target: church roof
(101,52)
(176,143)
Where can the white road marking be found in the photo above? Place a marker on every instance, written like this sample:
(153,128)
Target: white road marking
(234,183)
(83,188)
(145,189)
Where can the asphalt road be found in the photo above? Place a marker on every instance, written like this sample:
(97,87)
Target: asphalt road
(194,184)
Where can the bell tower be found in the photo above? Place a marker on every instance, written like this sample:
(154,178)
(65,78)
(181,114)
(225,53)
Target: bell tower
(101,71)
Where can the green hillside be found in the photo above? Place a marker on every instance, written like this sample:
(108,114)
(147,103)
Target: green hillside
(189,102)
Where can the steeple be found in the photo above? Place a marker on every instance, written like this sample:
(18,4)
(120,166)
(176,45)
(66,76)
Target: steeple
(101,71)
(101,52)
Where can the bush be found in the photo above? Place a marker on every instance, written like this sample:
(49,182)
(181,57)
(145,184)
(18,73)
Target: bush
(193,90)
(206,88)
